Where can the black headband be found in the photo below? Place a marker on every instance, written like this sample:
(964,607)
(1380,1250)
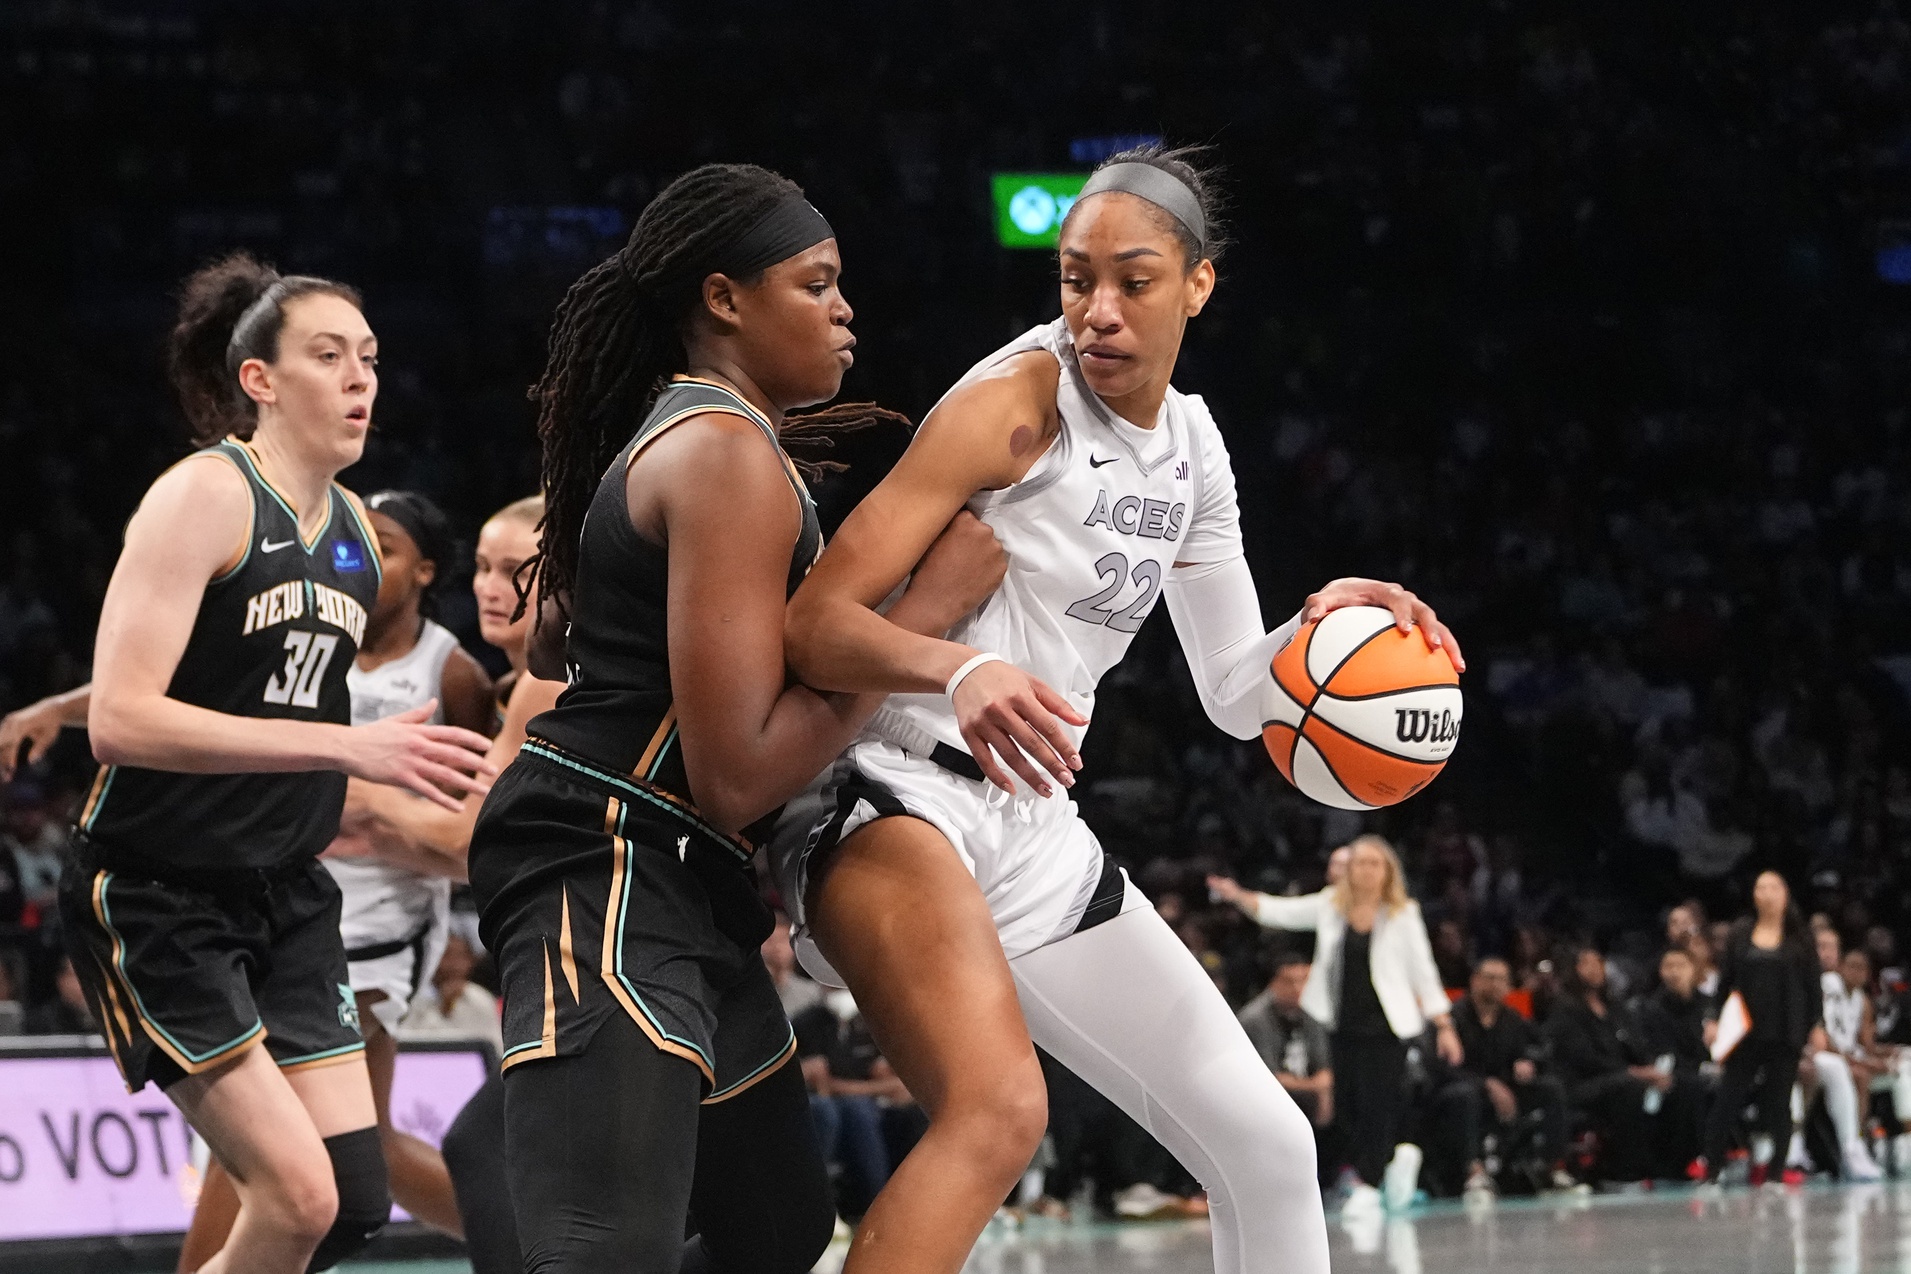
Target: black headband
(790,226)
(421,520)
(246,329)
(782,232)
(1159,187)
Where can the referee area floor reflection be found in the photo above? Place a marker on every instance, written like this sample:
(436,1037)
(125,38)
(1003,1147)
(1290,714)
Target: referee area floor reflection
(1816,1230)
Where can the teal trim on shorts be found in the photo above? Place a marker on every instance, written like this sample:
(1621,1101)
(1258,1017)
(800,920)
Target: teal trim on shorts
(119,963)
(546,753)
(782,1055)
(319,1057)
(617,964)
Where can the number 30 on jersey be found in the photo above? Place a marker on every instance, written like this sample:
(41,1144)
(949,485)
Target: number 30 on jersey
(306,656)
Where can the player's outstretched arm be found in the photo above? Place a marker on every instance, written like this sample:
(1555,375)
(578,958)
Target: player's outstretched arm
(983,437)
(37,725)
(394,827)
(191,527)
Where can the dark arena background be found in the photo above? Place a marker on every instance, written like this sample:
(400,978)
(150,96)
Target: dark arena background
(1590,323)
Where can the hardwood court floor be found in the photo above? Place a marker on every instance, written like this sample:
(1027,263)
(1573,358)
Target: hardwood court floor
(1817,1230)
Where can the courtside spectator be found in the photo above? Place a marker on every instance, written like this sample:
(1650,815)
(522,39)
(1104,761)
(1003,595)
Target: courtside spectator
(1612,1076)
(1768,961)
(1294,1045)
(1503,1052)
(1374,984)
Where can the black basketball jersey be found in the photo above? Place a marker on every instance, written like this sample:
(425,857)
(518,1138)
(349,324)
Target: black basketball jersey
(616,711)
(275,637)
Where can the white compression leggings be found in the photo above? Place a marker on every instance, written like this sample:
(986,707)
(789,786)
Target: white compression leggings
(1126,1007)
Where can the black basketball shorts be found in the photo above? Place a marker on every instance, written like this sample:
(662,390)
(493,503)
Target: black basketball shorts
(601,896)
(184,973)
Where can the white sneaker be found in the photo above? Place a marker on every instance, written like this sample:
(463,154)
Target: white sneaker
(1479,1186)
(1362,1200)
(1859,1165)
(1142,1202)
(1402,1177)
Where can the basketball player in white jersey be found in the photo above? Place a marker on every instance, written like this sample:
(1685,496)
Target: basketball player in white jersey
(967,917)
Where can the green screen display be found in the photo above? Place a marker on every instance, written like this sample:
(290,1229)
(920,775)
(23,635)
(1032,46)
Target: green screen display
(1029,207)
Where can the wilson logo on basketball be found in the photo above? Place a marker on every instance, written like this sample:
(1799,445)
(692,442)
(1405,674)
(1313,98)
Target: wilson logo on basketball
(1419,725)
(1359,714)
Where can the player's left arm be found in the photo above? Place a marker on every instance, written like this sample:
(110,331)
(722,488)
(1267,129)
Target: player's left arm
(1217,609)
(464,692)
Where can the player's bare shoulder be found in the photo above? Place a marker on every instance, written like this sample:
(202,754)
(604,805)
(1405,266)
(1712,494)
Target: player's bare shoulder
(203,505)
(1006,412)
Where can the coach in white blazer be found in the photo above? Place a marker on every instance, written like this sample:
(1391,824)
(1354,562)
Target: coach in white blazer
(1373,984)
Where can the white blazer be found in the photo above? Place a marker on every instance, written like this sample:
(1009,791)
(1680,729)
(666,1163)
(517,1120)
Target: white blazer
(1405,977)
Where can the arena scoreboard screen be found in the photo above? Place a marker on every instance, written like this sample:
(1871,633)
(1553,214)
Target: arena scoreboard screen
(1029,207)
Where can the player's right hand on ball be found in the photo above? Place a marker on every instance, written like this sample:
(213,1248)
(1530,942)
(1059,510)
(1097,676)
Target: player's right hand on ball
(431,760)
(1005,715)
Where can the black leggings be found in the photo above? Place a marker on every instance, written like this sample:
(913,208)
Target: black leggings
(474,1155)
(1370,1095)
(610,1158)
(1767,1068)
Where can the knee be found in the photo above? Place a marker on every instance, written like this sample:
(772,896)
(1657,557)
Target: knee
(1002,1120)
(363,1192)
(302,1203)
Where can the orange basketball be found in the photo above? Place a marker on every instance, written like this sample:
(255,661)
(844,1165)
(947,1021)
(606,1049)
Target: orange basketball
(1363,715)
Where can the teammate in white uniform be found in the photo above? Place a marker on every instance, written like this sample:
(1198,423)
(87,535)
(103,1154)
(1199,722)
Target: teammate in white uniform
(966,917)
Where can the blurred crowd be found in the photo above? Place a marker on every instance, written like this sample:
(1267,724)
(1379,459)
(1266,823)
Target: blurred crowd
(1572,319)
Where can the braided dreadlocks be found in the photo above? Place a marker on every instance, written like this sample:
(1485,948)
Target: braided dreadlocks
(615,343)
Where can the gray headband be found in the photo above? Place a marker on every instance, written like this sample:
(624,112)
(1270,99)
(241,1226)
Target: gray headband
(1162,189)
(244,331)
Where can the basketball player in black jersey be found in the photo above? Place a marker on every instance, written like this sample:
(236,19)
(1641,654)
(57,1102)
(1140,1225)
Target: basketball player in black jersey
(645,1045)
(193,909)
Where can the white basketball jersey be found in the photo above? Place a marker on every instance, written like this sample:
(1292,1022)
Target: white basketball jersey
(385,903)
(1090,533)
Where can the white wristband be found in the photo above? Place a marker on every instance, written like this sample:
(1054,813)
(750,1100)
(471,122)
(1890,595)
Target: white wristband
(974,662)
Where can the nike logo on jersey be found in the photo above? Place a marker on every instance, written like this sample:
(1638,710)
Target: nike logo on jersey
(267,546)
(1095,462)
(1132,515)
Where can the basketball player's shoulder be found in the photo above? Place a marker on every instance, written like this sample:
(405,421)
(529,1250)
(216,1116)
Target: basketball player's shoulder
(206,488)
(1015,394)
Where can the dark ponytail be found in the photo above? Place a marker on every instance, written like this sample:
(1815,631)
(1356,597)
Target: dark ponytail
(617,339)
(208,343)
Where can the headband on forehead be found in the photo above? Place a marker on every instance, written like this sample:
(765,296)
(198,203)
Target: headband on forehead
(247,327)
(1162,189)
(785,230)
(420,519)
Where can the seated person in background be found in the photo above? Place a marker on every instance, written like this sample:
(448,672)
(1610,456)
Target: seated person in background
(1705,970)
(453,1006)
(1674,1018)
(1838,1062)
(865,1118)
(1293,1045)
(1502,1052)
(66,1013)
(1611,1075)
